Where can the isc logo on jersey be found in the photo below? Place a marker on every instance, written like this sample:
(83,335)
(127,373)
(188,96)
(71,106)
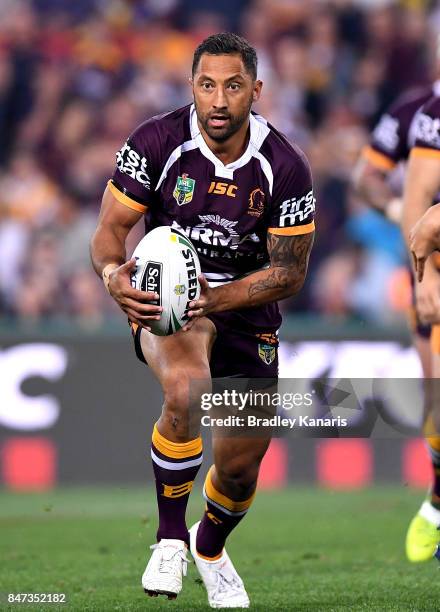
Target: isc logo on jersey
(132,163)
(296,210)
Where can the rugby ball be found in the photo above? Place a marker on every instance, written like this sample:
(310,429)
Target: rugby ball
(167,263)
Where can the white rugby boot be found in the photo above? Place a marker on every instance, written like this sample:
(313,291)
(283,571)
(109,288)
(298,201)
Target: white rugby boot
(224,586)
(166,568)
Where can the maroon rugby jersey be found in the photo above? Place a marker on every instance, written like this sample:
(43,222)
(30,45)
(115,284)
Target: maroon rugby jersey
(427,130)
(166,170)
(394,135)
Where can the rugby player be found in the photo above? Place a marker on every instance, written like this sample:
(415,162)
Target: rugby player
(422,186)
(243,195)
(389,147)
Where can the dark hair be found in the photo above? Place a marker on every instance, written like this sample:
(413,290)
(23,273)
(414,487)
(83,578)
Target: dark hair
(227,43)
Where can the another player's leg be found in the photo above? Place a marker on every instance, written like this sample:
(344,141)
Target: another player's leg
(423,533)
(181,364)
(229,490)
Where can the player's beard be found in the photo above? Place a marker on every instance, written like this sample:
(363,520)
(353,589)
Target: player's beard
(234,123)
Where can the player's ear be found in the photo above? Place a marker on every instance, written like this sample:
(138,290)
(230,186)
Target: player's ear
(191,81)
(257,91)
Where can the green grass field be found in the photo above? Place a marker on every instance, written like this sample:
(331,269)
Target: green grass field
(301,549)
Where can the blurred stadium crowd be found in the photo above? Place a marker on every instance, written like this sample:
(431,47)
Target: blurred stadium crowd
(77,77)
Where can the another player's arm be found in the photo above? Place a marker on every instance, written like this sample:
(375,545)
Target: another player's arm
(422,182)
(289,257)
(107,251)
(370,183)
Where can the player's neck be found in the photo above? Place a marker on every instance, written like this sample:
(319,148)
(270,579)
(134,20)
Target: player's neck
(233,148)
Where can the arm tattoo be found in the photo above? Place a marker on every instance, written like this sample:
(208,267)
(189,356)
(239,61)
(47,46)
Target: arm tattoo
(277,279)
(289,257)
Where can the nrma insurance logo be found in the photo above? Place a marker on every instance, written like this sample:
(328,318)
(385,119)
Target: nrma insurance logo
(215,231)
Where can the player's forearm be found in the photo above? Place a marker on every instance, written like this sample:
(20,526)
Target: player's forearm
(107,247)
(289,257)
(263,287)
(370,184)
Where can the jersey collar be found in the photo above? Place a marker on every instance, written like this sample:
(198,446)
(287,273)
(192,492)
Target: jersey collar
(258,132)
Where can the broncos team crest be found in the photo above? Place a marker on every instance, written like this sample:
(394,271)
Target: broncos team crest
(267,353)
(184,189)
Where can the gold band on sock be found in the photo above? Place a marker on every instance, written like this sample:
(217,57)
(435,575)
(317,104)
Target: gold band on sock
(222,500)
(176,450)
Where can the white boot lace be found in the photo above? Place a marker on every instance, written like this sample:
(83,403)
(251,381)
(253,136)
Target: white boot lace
(172,559)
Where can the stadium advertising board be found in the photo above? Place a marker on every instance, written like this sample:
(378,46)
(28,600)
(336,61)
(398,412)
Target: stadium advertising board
(78,411)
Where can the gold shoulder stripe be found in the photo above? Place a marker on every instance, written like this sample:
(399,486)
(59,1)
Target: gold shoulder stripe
(422,152)
(293,231)
(124,199)
(378,160)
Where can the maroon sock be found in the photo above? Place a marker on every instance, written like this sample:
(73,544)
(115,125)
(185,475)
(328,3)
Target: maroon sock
(175,467)
(221,516)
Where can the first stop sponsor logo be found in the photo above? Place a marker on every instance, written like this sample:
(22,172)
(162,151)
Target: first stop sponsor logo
(133,164)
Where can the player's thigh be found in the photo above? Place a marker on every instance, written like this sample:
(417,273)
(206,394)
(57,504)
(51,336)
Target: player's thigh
(186,350)
(181,364)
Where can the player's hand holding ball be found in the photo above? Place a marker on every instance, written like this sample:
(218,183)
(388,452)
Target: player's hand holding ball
(203,306)
(167,266)
(139,306)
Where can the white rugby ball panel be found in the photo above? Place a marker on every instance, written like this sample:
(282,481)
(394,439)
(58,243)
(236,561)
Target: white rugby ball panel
(168,264)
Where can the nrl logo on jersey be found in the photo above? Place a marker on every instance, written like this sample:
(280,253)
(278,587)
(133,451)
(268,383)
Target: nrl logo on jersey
(184,189)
